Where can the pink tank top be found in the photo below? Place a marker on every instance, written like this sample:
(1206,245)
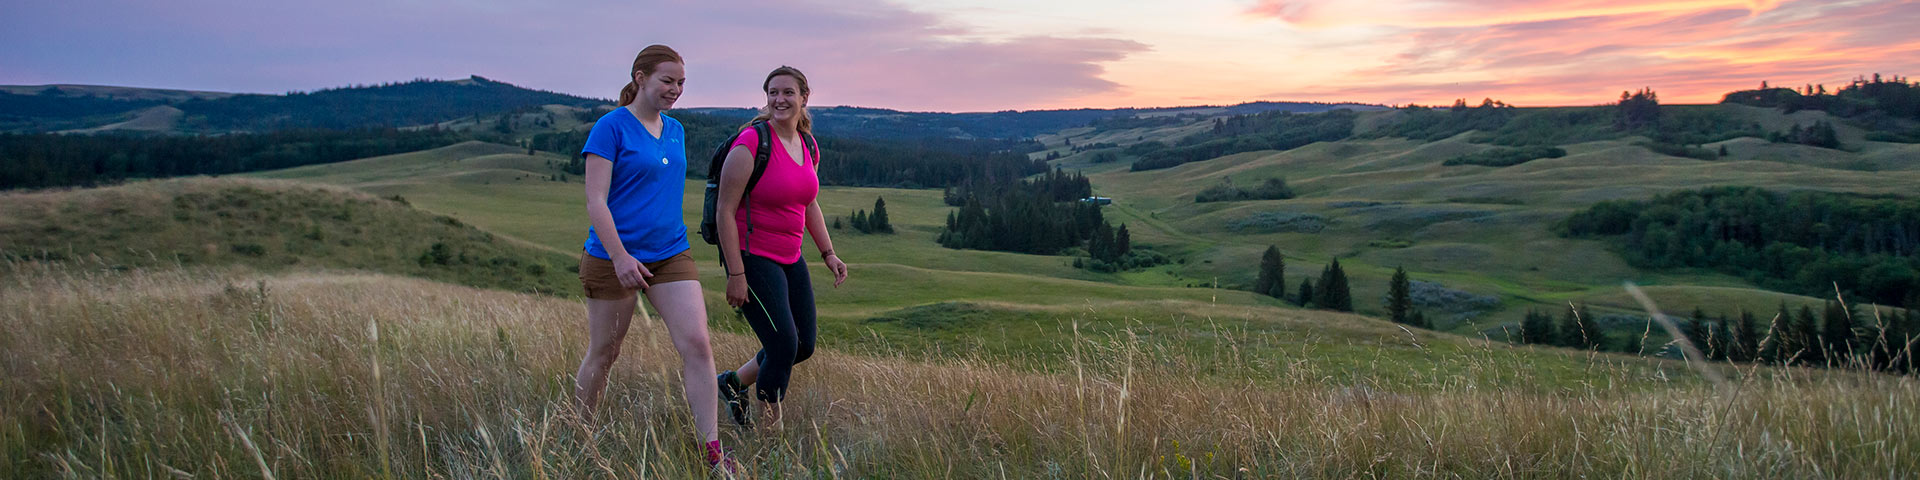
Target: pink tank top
(778,204)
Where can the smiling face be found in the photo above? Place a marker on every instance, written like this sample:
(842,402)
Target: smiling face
(661,88)
(784,98)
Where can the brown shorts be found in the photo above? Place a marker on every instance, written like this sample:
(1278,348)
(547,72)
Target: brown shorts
(596,275)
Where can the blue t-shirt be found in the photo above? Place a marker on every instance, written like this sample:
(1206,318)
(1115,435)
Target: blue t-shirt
(649,179)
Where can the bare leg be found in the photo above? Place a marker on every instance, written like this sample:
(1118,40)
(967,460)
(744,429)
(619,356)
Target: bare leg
(749,371)
(684,310)
(607,322)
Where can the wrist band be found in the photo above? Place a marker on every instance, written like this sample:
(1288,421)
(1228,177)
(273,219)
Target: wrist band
(825,254)
(736,274)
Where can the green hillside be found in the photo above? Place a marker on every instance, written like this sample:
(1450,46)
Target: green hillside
(1378,203)
(266,225)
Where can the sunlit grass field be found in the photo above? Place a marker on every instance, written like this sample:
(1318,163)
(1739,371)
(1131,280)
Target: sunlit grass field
(229,373)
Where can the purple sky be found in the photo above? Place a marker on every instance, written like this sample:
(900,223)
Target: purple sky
(857,52)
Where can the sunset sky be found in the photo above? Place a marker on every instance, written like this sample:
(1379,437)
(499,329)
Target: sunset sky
(972,55)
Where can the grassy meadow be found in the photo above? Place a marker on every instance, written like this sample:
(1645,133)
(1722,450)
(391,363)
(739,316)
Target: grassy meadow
(229,373)
(417,316)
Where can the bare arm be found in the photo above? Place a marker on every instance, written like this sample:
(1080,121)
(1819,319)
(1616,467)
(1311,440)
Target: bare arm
(599,181)
(817,228)
(734,175)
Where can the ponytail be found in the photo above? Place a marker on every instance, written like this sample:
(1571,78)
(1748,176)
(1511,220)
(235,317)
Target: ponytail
(627,93)
(644,64)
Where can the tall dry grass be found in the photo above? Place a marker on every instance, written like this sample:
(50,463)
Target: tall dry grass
(225,373)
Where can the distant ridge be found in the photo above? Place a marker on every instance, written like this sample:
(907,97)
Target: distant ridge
(47,108)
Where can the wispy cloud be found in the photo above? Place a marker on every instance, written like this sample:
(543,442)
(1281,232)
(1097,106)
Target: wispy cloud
(1578,52)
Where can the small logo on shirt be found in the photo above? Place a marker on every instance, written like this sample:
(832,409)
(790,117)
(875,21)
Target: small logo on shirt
(663,160)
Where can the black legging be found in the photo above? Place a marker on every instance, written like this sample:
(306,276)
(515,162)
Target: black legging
(780,309)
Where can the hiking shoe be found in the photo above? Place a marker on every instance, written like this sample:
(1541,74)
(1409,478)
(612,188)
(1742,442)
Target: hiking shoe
(721,460)
(734,396)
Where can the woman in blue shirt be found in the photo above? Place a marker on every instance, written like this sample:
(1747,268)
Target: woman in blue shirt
(636,174)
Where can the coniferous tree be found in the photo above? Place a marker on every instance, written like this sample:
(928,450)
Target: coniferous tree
(1698,332)
(860,221)
(1837,335)
(1333,292)
(1306,292)
(1581,332)
(1399,297)
(1809,349)
(1779,345)
(1719,341)
(1271,279)
(878,221)
(1537,329)
(1122,242)
(1746,338)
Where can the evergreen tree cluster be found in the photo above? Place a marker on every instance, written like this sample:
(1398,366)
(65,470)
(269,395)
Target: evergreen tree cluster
(1276,130)
(1331,292)
(1804,241)
(1043,216)
(51,160)
(1837,336)
(876,222)
(1022,220)
(1637,110)
(1572,330)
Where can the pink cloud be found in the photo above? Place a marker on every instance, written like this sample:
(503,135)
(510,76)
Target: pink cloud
(1690,52)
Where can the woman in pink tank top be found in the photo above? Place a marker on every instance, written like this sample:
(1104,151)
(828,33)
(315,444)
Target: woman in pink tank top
(760,238)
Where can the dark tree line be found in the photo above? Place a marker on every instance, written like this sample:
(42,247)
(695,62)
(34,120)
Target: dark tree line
(1863,98)
(1805,241)
(1247,133)
(1637,113)
(50,160)
(1045,215)
(417,102)
(1839,335)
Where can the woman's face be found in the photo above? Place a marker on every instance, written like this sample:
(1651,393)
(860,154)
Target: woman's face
(663,87)
(784,100)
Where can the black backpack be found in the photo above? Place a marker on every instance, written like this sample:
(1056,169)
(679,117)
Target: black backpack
(709,225)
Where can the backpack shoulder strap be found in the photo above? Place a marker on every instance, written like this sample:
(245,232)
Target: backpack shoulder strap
(813,149)
(762,154)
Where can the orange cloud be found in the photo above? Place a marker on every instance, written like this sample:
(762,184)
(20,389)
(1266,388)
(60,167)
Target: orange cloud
(1587,52)
(1460,13)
